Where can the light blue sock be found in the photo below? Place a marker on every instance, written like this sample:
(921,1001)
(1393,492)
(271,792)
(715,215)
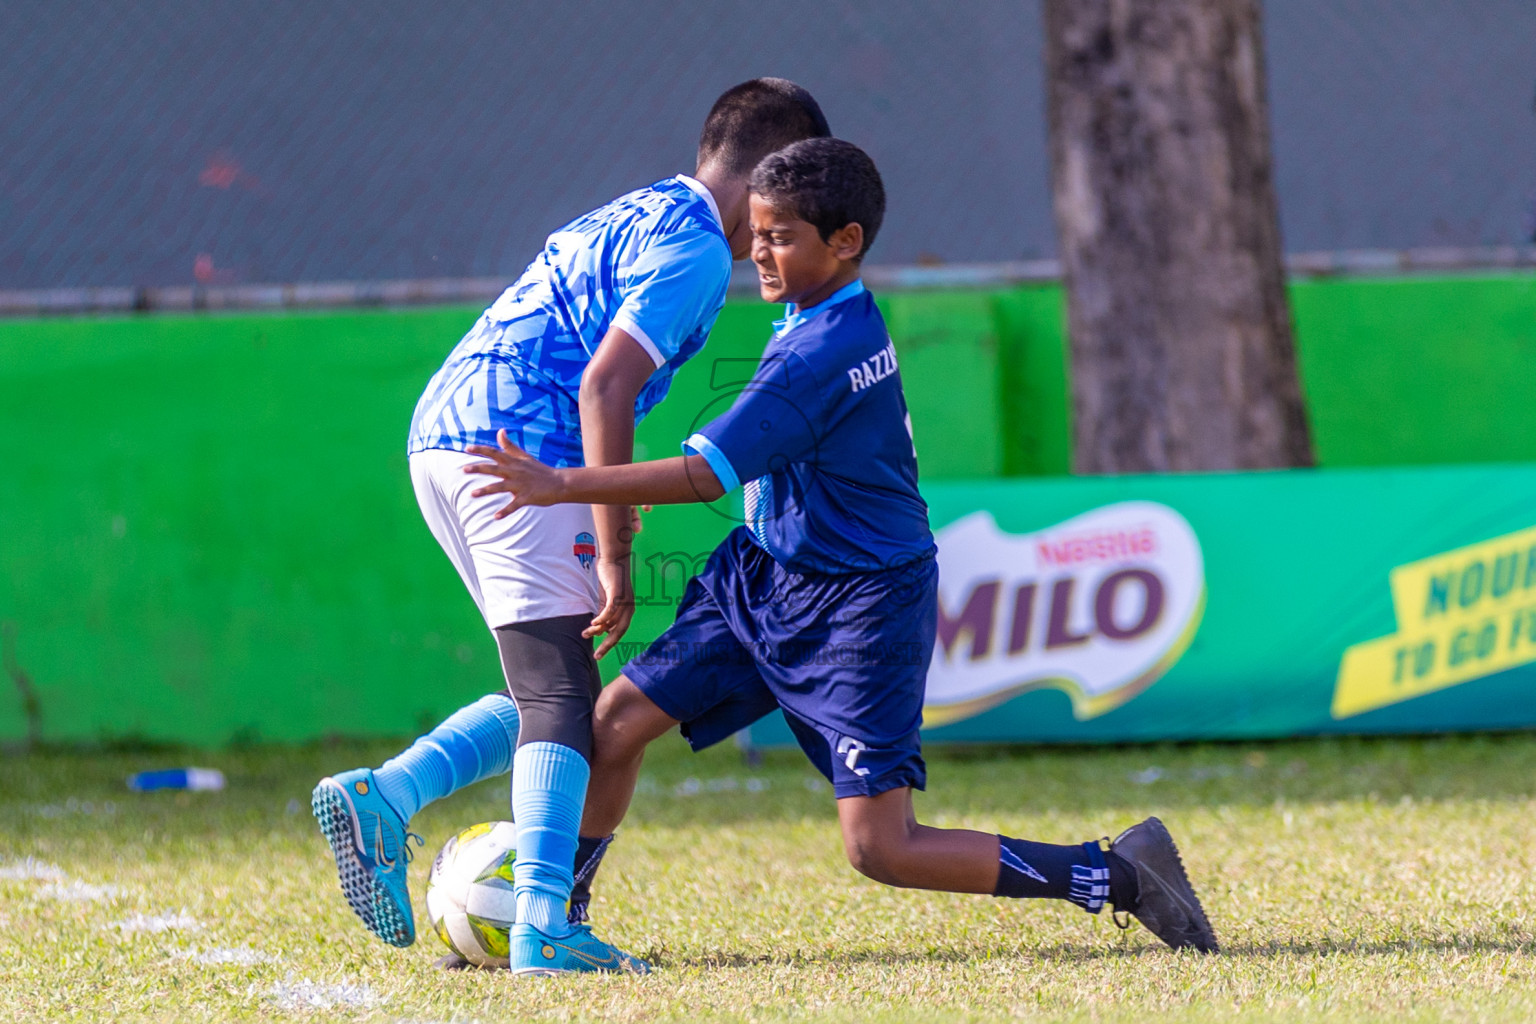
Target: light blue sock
(471,744)
(549,787)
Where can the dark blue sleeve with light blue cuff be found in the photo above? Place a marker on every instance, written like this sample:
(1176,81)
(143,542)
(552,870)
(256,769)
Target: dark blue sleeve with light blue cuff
(776,420)
(819,442)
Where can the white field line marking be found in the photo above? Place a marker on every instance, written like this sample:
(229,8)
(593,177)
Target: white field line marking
(313,995)
(29,868)
(724,784)
(238,956)
(72,807)
(79,892)
(178,922)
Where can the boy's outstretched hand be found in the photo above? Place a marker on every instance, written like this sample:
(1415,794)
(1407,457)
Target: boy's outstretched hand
(528,480)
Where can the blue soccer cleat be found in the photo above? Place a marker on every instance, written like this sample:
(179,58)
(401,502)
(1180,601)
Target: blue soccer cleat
(372,848)
(533,952)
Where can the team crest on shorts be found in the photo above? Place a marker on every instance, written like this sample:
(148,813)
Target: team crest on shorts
(585,549)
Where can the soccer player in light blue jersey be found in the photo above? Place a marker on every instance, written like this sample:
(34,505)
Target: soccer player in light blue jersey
(824,605)
(565,363)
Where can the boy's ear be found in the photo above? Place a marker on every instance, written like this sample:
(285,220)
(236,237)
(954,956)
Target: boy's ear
(847,241)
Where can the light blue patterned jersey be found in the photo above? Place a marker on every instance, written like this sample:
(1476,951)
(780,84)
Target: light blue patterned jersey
(654,263)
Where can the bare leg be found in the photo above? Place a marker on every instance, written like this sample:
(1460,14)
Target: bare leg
(624,722)
(1143,872)
(884,841)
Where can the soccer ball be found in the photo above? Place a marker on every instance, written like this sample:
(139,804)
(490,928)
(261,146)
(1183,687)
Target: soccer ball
(469,892)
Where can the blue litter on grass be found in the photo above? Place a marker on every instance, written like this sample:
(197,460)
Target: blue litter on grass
(201,779)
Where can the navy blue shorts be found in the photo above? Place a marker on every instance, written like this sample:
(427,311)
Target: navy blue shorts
(845,657)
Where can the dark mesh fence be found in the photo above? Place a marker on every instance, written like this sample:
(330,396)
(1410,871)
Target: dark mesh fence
(216,143)
(1403,123)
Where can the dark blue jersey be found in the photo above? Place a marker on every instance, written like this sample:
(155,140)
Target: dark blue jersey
(823,443)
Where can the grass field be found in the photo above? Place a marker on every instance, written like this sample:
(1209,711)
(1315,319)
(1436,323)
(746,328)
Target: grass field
(1386,880)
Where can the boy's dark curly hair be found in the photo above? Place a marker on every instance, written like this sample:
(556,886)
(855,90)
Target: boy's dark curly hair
(826,182)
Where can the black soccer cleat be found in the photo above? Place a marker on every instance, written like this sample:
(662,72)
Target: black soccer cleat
(1165,902)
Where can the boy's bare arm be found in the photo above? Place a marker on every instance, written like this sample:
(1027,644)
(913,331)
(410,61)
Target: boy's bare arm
(609,385)
(675,481)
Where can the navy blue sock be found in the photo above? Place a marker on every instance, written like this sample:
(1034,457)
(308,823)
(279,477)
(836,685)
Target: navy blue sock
(589,854)
(1079,874)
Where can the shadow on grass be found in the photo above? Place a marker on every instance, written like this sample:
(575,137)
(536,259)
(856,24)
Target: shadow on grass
(1114,785)
(726,959)
(1069,954)
(1120,784)
(1460,945)
(1315,770)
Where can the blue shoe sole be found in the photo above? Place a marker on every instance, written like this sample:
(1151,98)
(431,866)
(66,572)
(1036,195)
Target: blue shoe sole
(369,898)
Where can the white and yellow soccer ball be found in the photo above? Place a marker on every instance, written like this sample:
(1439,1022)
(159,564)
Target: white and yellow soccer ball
(469,892)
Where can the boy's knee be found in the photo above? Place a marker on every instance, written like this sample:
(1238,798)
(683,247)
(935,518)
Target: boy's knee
(617,706)
(625,720)
(872,855)
(877,835)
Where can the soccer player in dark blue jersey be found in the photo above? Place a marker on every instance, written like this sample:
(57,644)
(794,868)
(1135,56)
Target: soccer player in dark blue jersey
(825,604)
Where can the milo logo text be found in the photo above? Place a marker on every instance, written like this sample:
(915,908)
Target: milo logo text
(1098,606)
(979,615)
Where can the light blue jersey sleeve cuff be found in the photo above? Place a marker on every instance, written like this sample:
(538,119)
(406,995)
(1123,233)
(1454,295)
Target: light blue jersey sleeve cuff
(701,445)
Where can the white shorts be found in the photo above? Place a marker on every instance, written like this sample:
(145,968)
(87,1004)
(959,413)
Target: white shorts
(536,563)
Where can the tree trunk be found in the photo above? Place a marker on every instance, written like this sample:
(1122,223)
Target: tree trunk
(1181,346)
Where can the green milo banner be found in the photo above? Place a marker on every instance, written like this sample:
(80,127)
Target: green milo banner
(208,534)
(1233,606)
